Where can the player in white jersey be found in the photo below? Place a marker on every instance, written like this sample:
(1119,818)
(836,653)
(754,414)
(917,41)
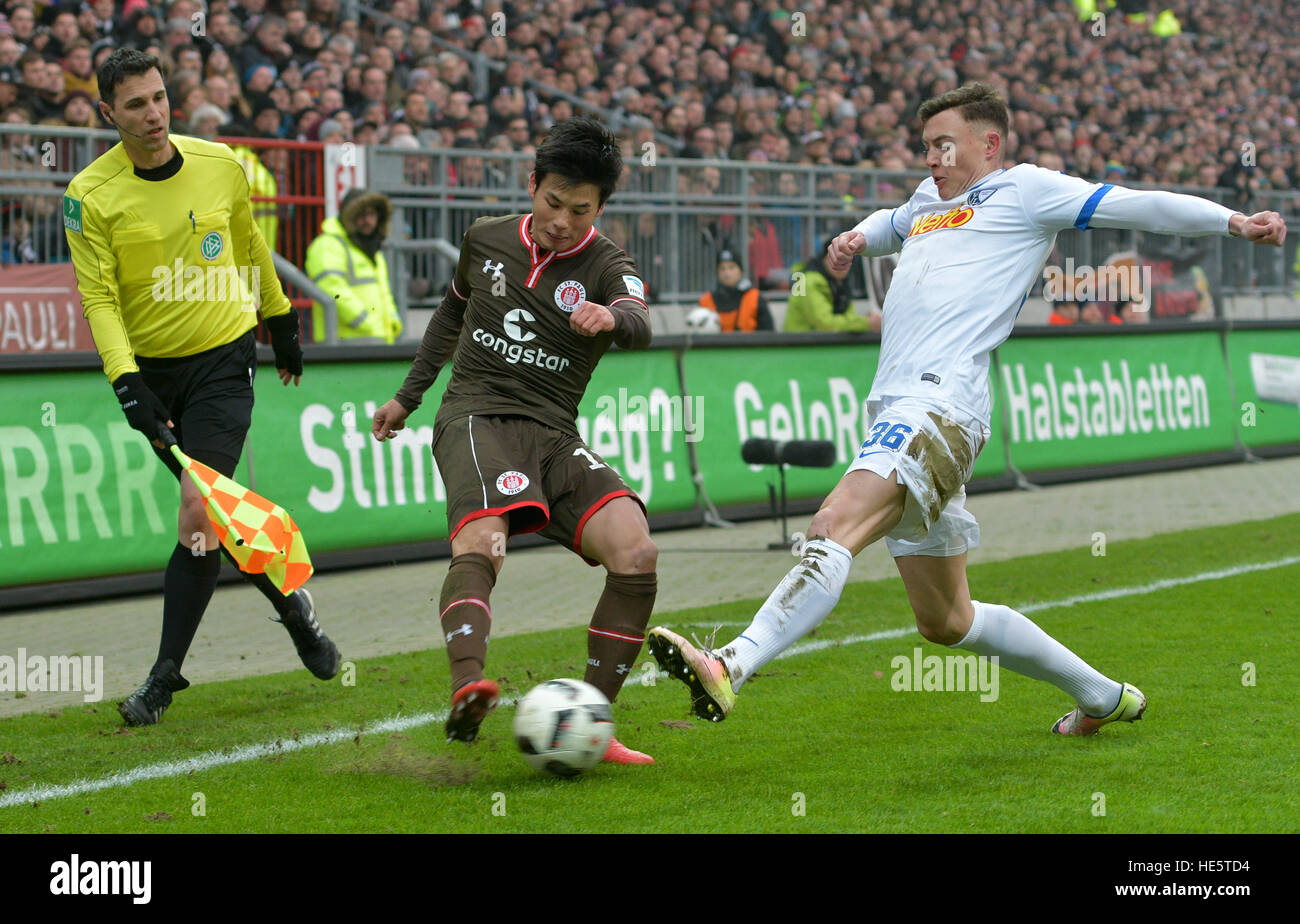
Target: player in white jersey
(973,238)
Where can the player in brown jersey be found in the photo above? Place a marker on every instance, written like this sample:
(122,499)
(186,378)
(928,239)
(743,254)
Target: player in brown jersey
(535,302)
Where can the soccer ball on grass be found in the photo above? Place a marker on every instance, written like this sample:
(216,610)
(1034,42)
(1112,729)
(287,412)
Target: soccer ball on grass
(563,726)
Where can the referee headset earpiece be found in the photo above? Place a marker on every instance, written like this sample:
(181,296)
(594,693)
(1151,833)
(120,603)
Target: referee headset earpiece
(109,119)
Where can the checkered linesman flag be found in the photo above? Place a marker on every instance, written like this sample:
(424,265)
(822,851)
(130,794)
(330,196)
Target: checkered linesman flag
(260,535)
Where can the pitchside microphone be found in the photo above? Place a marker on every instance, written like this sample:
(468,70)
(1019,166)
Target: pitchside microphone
(805,453)
(122,129)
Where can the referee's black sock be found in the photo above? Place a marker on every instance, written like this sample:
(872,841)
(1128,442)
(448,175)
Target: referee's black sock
(283,605)
(187,587)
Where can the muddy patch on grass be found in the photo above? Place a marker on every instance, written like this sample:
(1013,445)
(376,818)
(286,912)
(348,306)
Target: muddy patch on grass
(399,756)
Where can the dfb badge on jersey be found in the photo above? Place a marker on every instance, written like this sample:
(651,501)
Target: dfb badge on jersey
(569,295)
(511,483)
(211,245)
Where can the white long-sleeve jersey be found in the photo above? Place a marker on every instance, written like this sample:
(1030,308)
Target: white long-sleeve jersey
(967,265)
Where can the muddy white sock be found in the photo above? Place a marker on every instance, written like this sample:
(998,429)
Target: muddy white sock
(805,597)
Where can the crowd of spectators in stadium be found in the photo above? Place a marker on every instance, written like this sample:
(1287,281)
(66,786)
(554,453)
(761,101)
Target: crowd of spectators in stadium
(835,83)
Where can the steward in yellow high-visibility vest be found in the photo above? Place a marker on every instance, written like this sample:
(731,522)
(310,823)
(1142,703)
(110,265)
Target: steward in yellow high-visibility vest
(1087,8)
(262,185)
(346,261)
(1166,24)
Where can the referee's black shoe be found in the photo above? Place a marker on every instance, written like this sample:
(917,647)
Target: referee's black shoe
(318,653)
(146,705)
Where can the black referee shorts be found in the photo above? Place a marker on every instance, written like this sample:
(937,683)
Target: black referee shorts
(210,399)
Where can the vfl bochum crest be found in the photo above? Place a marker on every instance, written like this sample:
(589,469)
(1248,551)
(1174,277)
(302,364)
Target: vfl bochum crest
(980,196)
(211,245)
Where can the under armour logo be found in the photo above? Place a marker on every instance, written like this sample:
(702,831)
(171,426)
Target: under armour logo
(621,670)
(466,629)
(493,269)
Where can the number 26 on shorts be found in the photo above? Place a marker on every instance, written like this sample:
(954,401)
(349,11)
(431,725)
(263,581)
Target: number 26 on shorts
(890,436)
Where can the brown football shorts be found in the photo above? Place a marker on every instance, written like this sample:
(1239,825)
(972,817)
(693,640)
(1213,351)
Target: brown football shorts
(538,478)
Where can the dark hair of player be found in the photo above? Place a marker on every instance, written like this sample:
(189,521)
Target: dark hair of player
(121,64)
(978,102)
(580,150)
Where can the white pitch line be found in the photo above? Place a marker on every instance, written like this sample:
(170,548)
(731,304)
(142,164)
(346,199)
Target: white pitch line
(213,759)
(824,643)
(46,792)
(1162,585)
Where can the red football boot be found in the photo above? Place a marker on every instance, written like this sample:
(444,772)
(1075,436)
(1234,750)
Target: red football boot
(618,753)
(470,705)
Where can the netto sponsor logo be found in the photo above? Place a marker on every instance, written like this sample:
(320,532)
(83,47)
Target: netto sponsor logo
(937,221)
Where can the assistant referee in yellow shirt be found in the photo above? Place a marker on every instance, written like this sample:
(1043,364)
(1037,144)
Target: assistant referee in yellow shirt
(174,275)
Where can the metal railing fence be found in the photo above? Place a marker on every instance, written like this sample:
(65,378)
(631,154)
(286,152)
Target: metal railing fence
(673,216)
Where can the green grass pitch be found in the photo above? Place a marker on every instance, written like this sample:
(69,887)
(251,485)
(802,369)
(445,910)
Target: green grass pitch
(819,741)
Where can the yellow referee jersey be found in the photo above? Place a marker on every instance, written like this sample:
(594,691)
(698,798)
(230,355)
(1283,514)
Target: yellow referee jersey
(171,267)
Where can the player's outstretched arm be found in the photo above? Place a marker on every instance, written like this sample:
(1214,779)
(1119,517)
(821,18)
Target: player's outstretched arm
(843,248)
(1162,212)
(874,236)
(1056,201)
(1260,228)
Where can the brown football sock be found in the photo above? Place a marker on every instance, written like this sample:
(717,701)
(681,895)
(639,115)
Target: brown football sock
(466,616)
(617,629)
